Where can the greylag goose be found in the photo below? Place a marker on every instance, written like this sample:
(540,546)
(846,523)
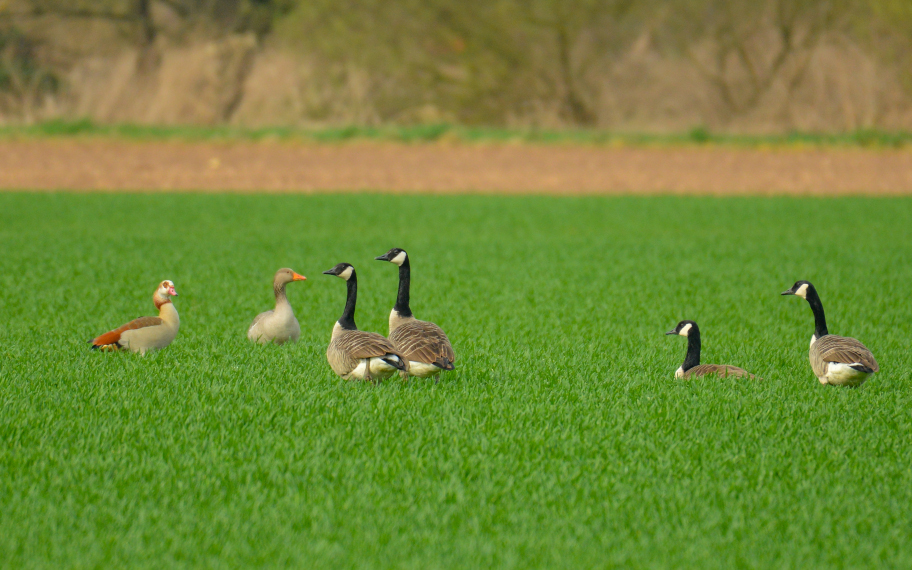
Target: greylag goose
(278,325)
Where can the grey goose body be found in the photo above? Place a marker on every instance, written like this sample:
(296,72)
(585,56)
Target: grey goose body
(422,343)
(835,360)
(691,368)
(278,325)
(355,354)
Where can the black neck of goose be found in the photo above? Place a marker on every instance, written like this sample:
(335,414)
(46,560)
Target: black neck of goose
(402,299)
(693,349)
(347,320)
(820,326)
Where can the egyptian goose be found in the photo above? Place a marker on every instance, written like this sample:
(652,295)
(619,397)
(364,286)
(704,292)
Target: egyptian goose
(278,325)
(692,367)
(423,343)
(354,354)
(836,360)
(145,333)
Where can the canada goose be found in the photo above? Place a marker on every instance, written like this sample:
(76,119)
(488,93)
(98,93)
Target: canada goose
(278,325)
(692,367)
(145,333)
(354,354)
(423,343)
(837,360)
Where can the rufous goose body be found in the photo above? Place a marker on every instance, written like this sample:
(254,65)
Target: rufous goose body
(354,354)
(145,333)
(278,325)
(836,360)
(692,367)
(423,343)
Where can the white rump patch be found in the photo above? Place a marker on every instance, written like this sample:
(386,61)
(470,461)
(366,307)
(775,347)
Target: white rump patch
(684,331)
(423,370)
(841,374)
(378,368)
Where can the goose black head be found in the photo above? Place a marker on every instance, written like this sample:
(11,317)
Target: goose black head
(800,288)
(395,255)
(343,270)
(683,328)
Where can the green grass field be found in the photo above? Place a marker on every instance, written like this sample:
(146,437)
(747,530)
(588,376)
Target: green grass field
(562,439)
(457,133)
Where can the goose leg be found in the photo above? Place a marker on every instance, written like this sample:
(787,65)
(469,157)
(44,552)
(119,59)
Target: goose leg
(367,370)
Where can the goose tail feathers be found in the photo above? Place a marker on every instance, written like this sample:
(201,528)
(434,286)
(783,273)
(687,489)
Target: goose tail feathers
(396,362)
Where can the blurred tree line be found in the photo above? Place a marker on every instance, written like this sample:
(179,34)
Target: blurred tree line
(474,61)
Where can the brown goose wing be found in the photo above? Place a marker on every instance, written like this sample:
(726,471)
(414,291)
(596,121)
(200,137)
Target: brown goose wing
(347,350)
(846,350)
(361,344)
(111,338)
(421,341)
(719,369)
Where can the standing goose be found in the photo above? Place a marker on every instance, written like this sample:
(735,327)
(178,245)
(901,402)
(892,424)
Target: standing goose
(837,360)
(280,324)
(424,344)
(692,367)
(354,354)
(145,333)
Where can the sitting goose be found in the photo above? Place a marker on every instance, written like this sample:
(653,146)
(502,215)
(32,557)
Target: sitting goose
(692,367)
(280,324)
(145,333)
(424,344)
(836,360)
(354,354)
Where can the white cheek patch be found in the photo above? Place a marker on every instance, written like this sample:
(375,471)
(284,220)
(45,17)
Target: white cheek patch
(347,273)
(802,291)
(684,331)
(399,259)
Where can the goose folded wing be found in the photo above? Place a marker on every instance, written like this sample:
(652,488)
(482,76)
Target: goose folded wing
(368,345)
(259,318)
(845,350)
(719,369)
(113,336)
(421,341)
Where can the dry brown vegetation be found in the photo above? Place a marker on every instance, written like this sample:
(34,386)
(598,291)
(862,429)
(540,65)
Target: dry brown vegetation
(649,65)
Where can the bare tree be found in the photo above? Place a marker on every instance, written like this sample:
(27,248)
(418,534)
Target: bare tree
(741,47)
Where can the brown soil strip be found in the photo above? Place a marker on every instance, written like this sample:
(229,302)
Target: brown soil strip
(117,165)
